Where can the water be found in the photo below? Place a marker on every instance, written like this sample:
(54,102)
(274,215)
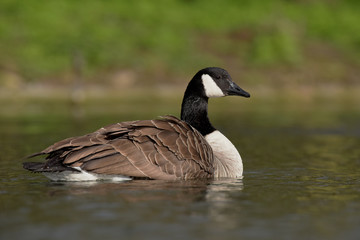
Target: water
(301,181)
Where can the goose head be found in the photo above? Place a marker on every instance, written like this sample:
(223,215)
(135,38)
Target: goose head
(214,82)
(207,83)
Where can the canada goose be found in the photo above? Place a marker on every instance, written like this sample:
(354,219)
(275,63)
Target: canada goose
(167,148)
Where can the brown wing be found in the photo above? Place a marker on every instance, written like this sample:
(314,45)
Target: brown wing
(166,148)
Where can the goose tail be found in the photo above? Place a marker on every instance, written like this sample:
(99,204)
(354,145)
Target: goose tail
(34,166)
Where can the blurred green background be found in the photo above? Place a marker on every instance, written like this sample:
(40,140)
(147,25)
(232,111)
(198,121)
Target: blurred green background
(301,46)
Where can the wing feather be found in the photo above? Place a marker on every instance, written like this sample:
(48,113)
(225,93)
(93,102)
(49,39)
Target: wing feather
(165,148)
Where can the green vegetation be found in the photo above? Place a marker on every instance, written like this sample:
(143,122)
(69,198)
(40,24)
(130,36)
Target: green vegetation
(45,40)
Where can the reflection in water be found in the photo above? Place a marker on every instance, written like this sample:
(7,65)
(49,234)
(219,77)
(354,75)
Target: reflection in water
(341,153)
(333,173)
(214,191)
(217,196)
(138,190)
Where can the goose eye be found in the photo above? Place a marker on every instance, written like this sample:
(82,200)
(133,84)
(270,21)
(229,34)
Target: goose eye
(217,76)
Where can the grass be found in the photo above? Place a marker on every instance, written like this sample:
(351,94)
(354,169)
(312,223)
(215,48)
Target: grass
(57,41)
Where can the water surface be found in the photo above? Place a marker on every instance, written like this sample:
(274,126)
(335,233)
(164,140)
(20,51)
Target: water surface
(301,178)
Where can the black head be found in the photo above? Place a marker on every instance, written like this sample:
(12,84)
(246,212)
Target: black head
(215,82)
(208,82)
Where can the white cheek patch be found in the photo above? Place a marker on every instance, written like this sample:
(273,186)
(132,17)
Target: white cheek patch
(211,88)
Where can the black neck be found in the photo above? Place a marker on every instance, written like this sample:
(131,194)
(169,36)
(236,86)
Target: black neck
(194,111)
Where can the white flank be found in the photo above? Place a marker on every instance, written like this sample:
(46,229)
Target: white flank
(228,162)
(83,176)
(211,88)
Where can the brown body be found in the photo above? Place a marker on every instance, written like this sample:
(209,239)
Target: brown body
(166,148)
